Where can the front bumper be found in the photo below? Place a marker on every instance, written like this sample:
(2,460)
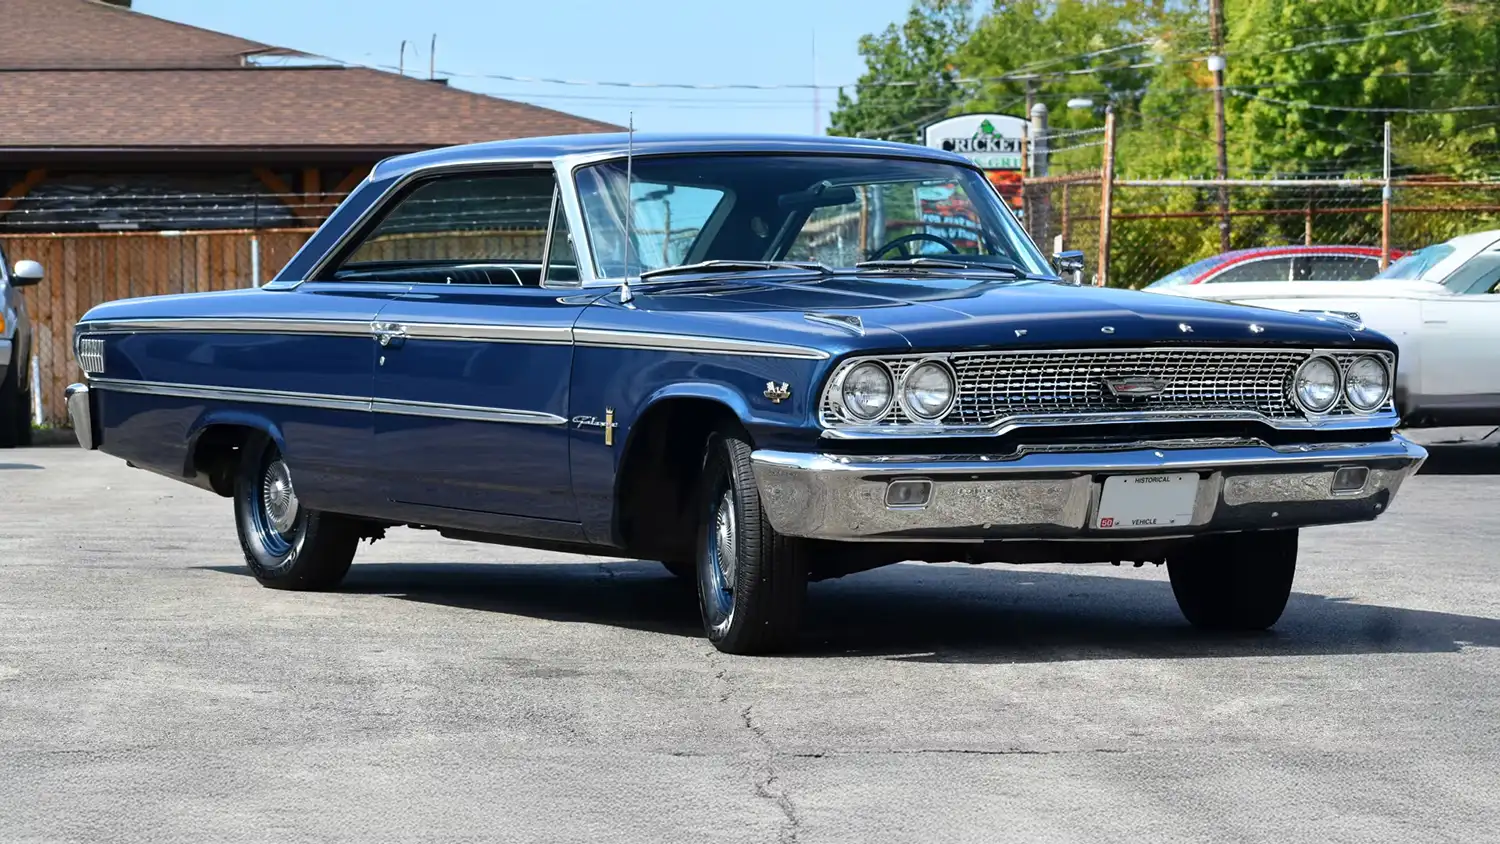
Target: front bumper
(1055,494)
(81,414)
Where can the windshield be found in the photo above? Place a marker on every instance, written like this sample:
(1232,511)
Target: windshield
(830,210)
(1416,265)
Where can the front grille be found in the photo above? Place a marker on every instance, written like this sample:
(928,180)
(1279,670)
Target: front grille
(995,386)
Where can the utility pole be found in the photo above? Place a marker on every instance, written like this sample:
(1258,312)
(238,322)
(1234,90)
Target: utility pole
(1106,196)
(1216,64)
(1039,218)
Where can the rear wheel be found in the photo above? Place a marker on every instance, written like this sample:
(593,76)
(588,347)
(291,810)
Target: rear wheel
(1235,581)
(286,545)
(752,581)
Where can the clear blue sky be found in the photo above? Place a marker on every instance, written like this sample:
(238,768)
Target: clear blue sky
(702,41)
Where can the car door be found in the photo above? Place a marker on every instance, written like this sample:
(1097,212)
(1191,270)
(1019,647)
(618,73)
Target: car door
(473,361)
(1460,337)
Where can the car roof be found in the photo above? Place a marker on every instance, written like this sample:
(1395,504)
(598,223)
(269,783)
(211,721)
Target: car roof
(1267,251)
(616,144)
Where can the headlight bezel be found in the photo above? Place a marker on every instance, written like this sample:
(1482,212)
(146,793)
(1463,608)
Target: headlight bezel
(1385,396)
(842,397)
(902,389)
(1338,385)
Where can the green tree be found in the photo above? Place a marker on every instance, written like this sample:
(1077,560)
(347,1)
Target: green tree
(918,57)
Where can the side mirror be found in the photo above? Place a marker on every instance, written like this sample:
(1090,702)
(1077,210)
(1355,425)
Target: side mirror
(1070,261)
(26,273)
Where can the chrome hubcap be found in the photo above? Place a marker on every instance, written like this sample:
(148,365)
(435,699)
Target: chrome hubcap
(278,498)
(724,542)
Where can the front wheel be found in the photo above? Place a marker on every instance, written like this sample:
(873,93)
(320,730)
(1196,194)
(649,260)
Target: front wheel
(752,581)
(286,545)
(1235,581)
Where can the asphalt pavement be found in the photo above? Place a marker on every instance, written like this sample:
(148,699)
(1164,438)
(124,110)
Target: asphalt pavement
(151,691)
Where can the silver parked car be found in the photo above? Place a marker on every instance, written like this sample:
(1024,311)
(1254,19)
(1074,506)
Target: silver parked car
(15,352)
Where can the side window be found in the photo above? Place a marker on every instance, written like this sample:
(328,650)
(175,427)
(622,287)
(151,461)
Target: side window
(1268,269)
(1479,274)
(1334,267)
(562,260)
(465,229)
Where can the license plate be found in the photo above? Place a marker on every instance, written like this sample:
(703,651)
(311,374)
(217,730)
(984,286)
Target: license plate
(1142,502)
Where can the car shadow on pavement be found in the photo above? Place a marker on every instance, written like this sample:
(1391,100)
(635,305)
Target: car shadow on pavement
(5,466)
(948,613)
(1462,460)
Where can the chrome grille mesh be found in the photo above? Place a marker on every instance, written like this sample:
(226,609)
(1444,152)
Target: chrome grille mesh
(995,386)
(91,355)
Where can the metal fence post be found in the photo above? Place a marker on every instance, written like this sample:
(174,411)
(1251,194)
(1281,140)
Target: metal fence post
(1385,204)
(37,418)
(1106,196)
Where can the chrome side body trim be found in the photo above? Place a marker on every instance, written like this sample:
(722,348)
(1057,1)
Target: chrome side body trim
(472,332)
(1052,495)
(484,333)
(331,402)
(241,394)
(229,325)
(468,412)
(688,343)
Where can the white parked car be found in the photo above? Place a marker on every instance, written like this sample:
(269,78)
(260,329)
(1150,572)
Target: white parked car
(1441,304)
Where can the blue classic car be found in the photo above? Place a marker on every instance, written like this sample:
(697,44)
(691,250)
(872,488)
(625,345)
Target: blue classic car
(762,361)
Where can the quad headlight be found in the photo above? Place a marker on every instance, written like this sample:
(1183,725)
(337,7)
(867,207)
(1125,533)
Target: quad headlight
(866,391)
(928,390)
(1367,384)
(1316,385)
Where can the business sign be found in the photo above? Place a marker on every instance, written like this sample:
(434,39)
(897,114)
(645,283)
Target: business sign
(992,141)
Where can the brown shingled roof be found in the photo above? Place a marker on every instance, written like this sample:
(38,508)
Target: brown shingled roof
(85,74)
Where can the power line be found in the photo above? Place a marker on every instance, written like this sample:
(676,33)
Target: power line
(1243,94)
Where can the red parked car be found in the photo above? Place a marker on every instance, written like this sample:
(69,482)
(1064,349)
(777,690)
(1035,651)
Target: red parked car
(1281,263)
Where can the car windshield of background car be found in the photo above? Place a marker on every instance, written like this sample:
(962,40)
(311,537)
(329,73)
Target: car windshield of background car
(1184,275)
(832,210)
(1416,265)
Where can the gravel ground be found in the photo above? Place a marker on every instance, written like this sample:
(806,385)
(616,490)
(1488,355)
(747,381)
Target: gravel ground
(150,690)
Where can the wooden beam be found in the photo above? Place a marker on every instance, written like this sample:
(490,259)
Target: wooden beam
(351,181)
(283,191)
(20,189)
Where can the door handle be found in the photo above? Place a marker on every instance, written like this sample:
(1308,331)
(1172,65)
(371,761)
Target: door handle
(389,334)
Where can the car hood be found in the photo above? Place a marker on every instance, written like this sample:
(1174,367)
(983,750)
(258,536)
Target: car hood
(941,312)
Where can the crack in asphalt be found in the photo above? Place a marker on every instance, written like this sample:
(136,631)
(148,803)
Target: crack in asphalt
(768,785)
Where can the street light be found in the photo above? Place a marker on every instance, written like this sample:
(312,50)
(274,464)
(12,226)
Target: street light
(1080,102)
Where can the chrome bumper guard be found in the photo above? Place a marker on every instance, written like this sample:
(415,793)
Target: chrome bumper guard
(81,415)
(1055,495)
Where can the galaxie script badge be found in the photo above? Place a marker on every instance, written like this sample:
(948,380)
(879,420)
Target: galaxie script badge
(609,424)
(1134,386)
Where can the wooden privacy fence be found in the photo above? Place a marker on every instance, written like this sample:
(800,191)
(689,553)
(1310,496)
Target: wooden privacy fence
(84,270)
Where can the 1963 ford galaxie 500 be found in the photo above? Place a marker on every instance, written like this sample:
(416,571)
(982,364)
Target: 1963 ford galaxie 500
(762,361)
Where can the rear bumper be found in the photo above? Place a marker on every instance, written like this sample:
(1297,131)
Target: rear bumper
(1055,495)
(81,414)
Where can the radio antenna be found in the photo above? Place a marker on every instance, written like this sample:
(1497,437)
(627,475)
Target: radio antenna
(625,295)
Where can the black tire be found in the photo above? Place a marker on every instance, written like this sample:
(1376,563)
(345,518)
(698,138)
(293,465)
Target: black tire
(759,608)
(15,411)
(1235,581)
(287,546)
(685,569)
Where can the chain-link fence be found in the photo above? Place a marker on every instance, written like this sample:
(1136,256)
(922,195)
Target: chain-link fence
(1159,226)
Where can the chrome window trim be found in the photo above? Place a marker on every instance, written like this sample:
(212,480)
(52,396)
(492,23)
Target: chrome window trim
(1355,420)
(327,401)
(606,338)
(490,333)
